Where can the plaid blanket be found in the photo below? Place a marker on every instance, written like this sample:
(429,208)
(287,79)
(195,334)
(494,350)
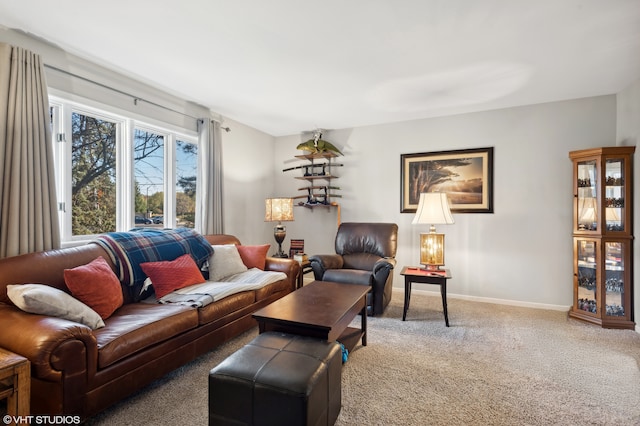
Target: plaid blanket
(129,249)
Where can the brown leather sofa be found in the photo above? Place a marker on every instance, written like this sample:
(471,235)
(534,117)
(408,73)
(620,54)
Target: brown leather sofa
(79,371)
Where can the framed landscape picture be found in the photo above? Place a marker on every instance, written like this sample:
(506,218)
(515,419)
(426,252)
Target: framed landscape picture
(466,175)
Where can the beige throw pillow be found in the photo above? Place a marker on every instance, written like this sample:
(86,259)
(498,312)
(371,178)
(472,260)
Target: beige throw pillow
(45,300)
(225,261)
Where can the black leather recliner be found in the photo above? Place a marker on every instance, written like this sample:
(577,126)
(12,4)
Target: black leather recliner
(365,254)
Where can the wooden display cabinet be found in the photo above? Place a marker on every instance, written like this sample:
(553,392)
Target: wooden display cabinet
(603,236)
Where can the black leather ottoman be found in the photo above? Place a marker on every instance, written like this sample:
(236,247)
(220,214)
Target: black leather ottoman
(278,379)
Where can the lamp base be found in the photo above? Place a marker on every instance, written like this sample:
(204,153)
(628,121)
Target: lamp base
(280,232)
(430,267)
(431,251)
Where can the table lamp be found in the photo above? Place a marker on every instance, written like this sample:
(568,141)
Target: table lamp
(433,208)
(279,210)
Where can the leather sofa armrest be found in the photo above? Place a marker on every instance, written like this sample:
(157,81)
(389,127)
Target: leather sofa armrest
(288,266)
(52,345)
(322,262)
(384,263)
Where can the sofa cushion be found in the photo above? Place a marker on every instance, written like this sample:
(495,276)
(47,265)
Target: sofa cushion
(96,285)
(167,276)
(273,288)
(254,256)
(226,306)
(136,326)
(224,262)
(45,300)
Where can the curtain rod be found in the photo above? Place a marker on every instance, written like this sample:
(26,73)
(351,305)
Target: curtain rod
(135,98)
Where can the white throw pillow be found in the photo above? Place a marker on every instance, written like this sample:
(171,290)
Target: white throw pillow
(46,300)
(225,261)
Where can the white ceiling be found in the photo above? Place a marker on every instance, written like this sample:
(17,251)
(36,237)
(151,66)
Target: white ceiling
(288,66)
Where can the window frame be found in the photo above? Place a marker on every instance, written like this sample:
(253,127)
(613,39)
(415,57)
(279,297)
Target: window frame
(62,106)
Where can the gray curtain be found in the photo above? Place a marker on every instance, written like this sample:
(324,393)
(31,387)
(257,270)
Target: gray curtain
(209,195)
(28,207)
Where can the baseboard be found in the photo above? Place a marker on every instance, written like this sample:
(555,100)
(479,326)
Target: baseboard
(533,305)
(561,308)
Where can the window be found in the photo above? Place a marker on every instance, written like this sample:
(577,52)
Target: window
(93,174)
(186,183)
(114,172)
(148,161)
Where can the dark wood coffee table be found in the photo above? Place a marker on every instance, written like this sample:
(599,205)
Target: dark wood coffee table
(320,309)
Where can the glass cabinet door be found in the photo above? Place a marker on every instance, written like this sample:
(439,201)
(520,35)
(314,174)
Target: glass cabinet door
(587,275)
(587,210)
(614,195)
(614,279)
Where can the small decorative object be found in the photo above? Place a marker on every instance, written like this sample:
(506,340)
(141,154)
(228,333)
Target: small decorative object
(345,353)
(279,210)
(297,247)
(318,145)
(433,208)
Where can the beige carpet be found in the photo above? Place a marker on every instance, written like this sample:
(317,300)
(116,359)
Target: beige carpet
(495,365)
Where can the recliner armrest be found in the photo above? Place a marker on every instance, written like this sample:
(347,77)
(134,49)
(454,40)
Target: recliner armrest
(384,263)
(322,262)
(381,270)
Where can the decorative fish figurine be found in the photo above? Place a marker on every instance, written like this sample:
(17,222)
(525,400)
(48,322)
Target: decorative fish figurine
(317,145)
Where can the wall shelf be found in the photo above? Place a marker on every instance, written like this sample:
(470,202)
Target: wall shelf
(317,171)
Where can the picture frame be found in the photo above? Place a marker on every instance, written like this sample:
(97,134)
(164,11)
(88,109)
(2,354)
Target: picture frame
(466,175)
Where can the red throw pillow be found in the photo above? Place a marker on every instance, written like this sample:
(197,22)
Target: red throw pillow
(254,256)
(96,285)
(167,276)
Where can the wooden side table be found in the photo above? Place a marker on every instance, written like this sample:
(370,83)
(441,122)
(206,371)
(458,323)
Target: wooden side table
(422,276)
(305,268)
(15,382)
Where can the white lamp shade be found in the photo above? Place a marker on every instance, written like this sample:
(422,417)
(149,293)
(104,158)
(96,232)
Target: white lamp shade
(433,208)
(278,209)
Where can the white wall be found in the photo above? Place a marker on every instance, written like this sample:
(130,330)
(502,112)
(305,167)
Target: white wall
(523,251)
(628,133)
(248,179)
